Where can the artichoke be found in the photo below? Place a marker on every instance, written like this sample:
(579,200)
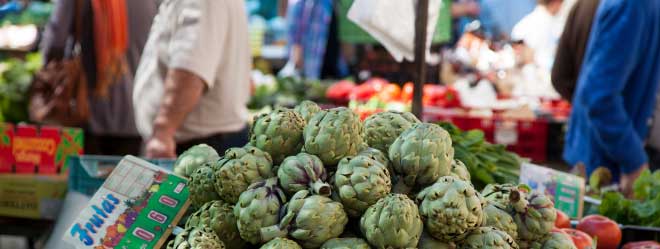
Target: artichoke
(258,207)
(196,238)
(360,182)
(281,243)
(500,219)
(450,208)
(377,155)
(488,237)
(428,242)
(194,158)
(307,109)
(278,133)
(459,170)
(381,129)
(239,168)
(534,215)
(393,222)
(345,243)
(498,194)
(201,186)
(311,220)
(219,216)
(303,171)
(334,134)
(558,240)
(421,155)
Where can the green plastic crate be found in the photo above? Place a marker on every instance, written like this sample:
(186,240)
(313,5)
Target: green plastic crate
(87,173)
(349,32)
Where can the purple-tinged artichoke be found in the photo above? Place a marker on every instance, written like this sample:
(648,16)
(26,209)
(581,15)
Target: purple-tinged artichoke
(301,172)
(257,208)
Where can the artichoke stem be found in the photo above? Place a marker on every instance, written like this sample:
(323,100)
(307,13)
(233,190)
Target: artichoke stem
(271,232)
(401,188)
(321,188)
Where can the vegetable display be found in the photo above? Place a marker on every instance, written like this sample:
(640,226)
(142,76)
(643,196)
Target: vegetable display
(644,210)
(345,193)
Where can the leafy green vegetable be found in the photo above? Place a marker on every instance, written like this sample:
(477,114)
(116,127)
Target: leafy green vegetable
(488,163)
(15,79)
(643,211)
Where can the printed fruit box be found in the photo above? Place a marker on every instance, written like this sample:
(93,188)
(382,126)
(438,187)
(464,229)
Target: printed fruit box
(137,206)
(33,168)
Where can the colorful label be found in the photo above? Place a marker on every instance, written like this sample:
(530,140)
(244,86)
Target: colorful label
(566,190)
(136,207)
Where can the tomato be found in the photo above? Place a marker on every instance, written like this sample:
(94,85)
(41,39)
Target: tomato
(368,89)
(580,239)
(562,220)
(642,245)
(390,92)
(605,230)
(407,92)
(340,91)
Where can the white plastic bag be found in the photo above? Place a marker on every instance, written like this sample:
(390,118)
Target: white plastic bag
(392,23)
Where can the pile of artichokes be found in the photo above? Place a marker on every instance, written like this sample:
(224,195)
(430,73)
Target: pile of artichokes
(312,178)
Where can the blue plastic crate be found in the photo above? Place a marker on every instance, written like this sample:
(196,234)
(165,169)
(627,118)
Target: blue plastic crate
(88,172)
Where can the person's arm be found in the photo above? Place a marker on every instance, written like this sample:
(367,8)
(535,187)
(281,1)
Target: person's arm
(196,51)
(294,18)
(611,57)
(564,76)
(57,30)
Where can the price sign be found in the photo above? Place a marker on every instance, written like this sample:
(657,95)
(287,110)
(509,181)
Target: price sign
(137,207)
(567,190)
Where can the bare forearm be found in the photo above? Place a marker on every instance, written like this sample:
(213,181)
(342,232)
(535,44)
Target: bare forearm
(183,90)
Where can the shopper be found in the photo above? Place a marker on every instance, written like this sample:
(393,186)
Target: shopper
(616,90)
(111,129)
(572,46)
(499,16)
(192,85)
(314,39)
(540,30)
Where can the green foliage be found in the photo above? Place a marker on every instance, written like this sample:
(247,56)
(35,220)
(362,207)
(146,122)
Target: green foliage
(15,79)
(644,211)
(488,163)
(287,92)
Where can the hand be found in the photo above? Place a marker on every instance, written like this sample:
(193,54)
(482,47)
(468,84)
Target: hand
(161,146)
(627,180)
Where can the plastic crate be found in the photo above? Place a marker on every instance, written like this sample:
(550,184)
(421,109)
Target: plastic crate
(88,172)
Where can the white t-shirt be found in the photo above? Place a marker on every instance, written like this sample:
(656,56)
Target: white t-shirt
(540,31)
(210,39)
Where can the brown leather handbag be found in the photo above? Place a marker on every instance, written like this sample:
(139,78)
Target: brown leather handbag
(58,94)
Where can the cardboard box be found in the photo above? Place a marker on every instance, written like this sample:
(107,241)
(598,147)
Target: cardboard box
(34,169)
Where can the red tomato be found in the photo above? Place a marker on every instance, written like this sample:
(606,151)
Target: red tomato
(642,245)
(562,220)
(605,230)
(407,92)
(390,92)
(580,239)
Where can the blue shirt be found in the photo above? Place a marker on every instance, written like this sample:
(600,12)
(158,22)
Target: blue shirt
(499,16)
(616,90)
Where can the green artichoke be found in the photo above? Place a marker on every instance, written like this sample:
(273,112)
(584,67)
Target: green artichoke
(428,242)
(459,170)
(534,215)
(311,220)
(558,240)
(500,219)
(393,222)
(498,194)
(239,168)
(219,216)
(196,238)
(278,133)
(307,109)
(420,156)
(201,186)
(281,243)
(194,158)
(488,237)
(345,243)
(381,129)
(334,134)
(377,155)
(360,182)
(450,208)
(303,171)
(258,207)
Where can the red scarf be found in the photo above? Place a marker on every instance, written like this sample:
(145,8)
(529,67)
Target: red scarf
(110,42)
